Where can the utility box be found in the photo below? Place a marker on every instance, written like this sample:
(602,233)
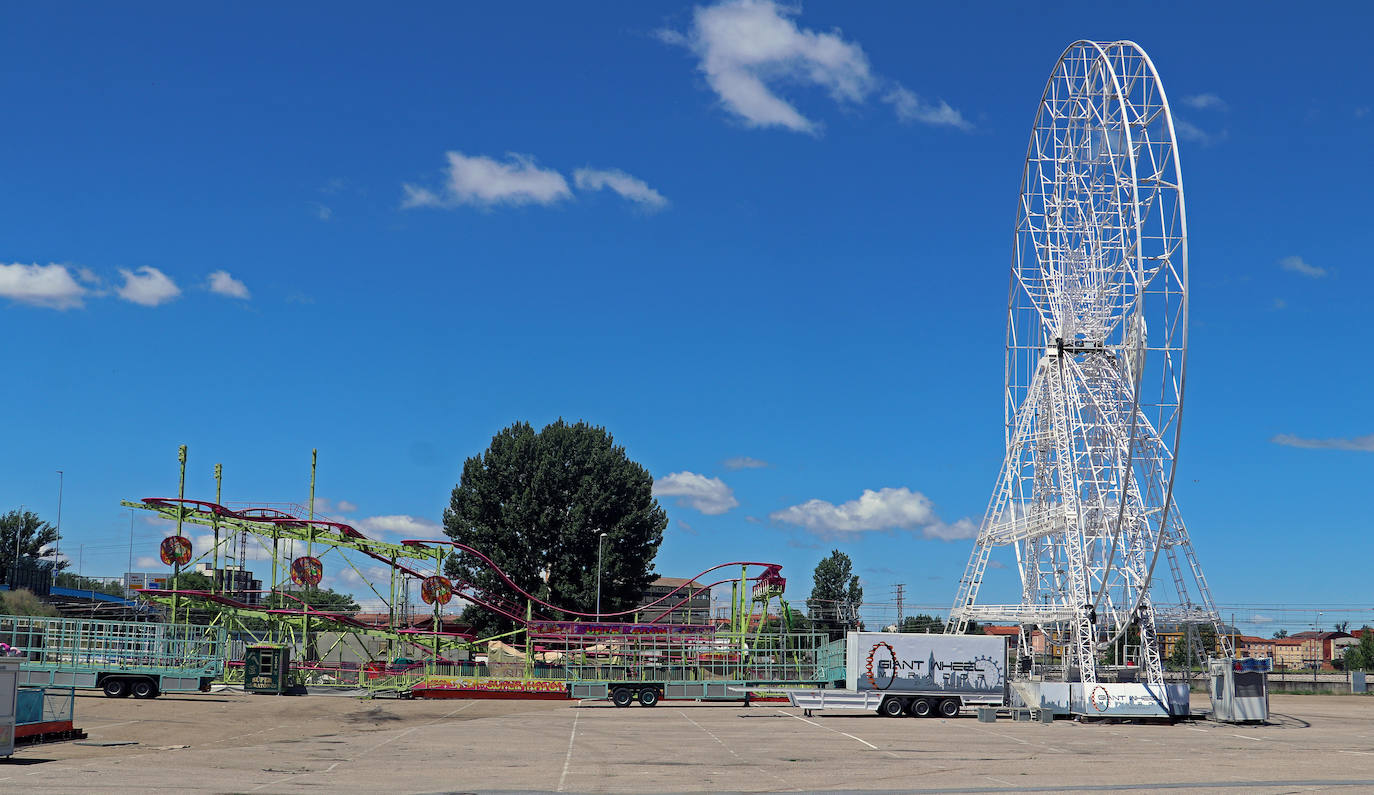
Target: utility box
(1239,689)
(267,669)
(9,694)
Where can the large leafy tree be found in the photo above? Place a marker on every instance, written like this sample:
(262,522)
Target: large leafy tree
(32,536)
(536,504)
(835,595)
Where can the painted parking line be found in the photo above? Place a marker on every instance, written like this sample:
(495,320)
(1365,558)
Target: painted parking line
(837,731)
(567,760)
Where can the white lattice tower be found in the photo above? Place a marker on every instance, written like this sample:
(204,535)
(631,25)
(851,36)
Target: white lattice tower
(1095,362)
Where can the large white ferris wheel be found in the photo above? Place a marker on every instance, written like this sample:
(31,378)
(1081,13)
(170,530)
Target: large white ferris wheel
(1097,340)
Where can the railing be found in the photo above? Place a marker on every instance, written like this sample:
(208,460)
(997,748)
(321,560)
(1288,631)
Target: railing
(65,643)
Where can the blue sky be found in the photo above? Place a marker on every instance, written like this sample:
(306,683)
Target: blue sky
(775,233)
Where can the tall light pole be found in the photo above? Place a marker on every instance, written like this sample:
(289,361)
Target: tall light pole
(57,545)
(1316,648)
(599,540)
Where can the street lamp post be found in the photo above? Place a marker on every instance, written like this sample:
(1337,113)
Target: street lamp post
(599,540)
(1316,648)
(57,545)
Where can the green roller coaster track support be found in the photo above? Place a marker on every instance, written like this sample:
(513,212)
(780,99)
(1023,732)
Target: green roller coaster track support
(181,510)
(309,552)
(288,532)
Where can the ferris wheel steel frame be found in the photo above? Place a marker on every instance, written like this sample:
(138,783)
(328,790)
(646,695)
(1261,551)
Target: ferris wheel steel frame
(1096,354)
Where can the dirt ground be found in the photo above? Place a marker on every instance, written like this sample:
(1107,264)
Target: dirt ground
(239,743)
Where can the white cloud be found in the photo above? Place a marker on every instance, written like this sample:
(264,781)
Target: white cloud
(147,287)
(148,562)
(747,48)
(1298,265)
(910,107)
(485,182)
(1359,443)
(403,525)
(1205,101)
(51,286)
(885,509)
(1258,619)
(996,564)
(322,212)
(1191,132)
(327,506)
(745,462)
(627,186)
(709,495)
(222,283)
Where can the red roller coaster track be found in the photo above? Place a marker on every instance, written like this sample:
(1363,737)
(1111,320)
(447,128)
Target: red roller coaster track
(468,591)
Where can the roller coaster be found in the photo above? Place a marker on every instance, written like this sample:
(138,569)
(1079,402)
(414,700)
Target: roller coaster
(550,644)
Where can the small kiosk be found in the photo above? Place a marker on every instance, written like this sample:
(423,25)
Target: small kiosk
(267,669)
(1239,689)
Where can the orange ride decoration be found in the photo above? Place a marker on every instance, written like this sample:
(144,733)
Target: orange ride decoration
(307,571)
(436,589)
(175,550)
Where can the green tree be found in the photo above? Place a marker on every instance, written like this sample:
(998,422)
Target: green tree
(25,532)
(23,603)
(934,625)
(835,595)
(190,581)
(325,599)
(922,623)
(1184,655)
(67,579)
(1119,652)
(1360,657)
(536,505)
(1282,633)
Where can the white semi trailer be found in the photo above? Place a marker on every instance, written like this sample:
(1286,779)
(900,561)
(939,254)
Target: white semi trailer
(900,673)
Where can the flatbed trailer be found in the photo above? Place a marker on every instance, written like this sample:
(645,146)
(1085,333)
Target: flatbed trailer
(920,675)
(121,658)
(648,694)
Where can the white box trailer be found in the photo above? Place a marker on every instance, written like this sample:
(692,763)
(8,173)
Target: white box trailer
(899,673)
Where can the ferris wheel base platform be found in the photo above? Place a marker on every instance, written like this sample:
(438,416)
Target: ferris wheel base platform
(1123,700)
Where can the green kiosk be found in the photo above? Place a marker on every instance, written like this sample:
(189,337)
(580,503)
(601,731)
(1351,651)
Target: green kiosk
(267,669)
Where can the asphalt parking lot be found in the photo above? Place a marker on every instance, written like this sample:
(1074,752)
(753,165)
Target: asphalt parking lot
(239,743)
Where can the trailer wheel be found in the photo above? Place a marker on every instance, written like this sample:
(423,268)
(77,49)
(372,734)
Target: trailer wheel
(891,707)
(949,708)
(648,697)
(621,697)
(920,708)
(144,688)
(115,688)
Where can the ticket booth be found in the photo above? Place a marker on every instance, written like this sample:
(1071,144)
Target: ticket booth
(267,669)
(1240,689)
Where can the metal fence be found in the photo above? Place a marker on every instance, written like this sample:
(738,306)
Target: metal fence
(67,643)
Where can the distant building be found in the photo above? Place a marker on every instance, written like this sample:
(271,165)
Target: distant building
(1323,647)
(1290,653)
(235,582)
(1170,635)
(134,580)
(696,609)
(1252,646)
